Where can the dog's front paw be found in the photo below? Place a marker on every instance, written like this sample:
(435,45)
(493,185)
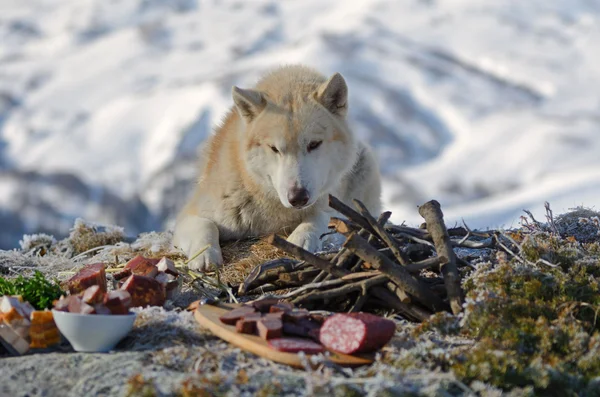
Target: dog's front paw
(308,241)
(207,260)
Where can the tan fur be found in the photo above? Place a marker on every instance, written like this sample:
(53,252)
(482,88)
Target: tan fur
(243,184)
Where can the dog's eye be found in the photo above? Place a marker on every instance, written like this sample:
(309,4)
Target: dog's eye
(314,145)
(274,149)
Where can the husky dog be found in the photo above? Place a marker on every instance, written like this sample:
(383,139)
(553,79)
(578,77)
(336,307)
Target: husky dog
(269,168)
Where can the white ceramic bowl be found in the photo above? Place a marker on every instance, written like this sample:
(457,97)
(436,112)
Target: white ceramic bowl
(93,332)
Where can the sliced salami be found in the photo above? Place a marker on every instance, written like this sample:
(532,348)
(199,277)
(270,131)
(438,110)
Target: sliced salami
(232,317)
(356,332)
(296,345)
(247,324)
(269,328)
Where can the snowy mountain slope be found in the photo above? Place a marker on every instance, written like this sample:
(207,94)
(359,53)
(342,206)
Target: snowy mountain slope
(489,108)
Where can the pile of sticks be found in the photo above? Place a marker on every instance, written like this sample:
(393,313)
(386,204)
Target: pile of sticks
(413,271)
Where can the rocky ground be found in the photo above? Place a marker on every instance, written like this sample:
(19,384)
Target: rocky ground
(529,328)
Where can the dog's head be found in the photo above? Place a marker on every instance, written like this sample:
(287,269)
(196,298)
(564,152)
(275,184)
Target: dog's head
(297,143)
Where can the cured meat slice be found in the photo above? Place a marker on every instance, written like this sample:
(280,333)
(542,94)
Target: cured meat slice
(14,339)
(277,315)
(74,304)
(144,291)
(166,265)
(247,324)
(304,328)
(122,295)
(264,305)
(169,281)
(318,318)
(14,311)
(77,305)
(163,278)
(231,318)
(93,274)
(269,328)
(16,303)
(122,274)
(281,307)
(356,332)
(142,266)
(93,295)
(62,304)
(296,315)
(114,306)
(296,345)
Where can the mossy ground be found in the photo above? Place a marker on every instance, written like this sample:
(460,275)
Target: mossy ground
(535,324)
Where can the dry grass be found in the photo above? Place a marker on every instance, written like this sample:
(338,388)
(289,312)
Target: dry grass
(240,257)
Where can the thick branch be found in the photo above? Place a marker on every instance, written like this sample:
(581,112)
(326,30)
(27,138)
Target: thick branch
(382,233)
(343,290)
(408,311)
(382,220)
(302,254)
(398,274)
(341,226)
(432,213)
(429,263)
(352,215)
(299,278)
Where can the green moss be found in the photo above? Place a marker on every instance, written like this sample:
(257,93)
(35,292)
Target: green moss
(534,326)
(442,322)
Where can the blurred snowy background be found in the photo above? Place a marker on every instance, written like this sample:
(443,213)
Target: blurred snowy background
(489,107)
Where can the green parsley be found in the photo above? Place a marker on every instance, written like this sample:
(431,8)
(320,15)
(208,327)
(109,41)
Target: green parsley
(36,290)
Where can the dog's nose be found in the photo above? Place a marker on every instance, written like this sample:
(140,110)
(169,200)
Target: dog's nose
(298,197)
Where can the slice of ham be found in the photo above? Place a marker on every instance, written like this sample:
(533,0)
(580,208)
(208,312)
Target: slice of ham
(166,265)
(169,281)
(122,295)
(62,304)
(15,311)
(142,266)
(117,302)
(296,345)
(93,295)
(14,339)
(144,291)
(93,274)
(356,332)
(122,274)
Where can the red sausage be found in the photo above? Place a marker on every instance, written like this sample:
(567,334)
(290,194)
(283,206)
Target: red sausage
(356,332)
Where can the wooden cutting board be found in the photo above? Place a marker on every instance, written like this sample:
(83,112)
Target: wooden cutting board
(208,317)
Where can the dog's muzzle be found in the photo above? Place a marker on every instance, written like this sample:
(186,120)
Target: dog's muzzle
(298,197)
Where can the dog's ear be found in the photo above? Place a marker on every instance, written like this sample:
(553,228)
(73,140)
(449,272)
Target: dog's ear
(333,94)
(249,103)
